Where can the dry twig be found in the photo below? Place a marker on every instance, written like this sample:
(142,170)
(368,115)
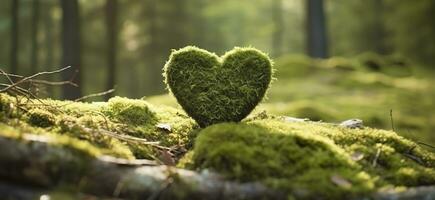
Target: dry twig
(28,78)
(375,161)
(95,95)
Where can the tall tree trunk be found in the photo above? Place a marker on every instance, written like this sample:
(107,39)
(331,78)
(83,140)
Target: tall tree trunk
(112,40)
(153,49)
(49,45)
(14,37)
(316,29)
(71,47)
(278,32)
(35,25)
(198,21)
(379,27)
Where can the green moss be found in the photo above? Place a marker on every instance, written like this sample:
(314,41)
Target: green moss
(310,159)
(129,111)
(212,89)
(90,122)
(41,118)
(306,160)
(22,132)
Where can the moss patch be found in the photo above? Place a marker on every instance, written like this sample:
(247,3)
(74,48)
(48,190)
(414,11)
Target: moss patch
(306,159)
(41,118)
(96,123)
(212,89)
(311,159)
(129,111)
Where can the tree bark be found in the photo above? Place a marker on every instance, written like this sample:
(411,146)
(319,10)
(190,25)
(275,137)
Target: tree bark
(112,42)
(316,29)
(14,37)
(278,32)
(71,47)
(34,35)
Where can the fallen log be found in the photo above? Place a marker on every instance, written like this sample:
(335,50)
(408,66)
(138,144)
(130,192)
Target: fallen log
(40,166)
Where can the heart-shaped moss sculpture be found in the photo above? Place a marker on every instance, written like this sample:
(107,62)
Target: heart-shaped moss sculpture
(214,89)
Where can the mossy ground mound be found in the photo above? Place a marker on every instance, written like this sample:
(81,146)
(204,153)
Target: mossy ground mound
(304,159)
(95,124)
(311,159)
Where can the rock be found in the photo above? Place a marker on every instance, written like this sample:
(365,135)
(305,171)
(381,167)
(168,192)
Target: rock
(352,123)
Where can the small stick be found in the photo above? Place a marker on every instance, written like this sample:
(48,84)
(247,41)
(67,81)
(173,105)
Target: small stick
(391,118)
(378,153)
(414,158)
(422,143)
(95,95)
(33,76)
(37,80)
(16,87)
(126,138)
(54,82)
(7,76)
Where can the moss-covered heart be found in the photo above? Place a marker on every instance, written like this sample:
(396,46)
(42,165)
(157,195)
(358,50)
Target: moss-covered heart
(214,89)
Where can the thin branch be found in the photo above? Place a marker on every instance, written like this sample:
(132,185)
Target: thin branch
(126,138)
(8,76)
(55,83)
(375,161)
(16,88)
(33,76)
(425,144)
(391,118)
(95,95)
(45,82)
(414,158)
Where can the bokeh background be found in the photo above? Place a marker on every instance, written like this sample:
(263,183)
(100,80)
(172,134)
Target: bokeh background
(335,59)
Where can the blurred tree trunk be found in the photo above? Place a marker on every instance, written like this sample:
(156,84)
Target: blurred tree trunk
(71,47)
(153,49)
(278,32)
(48,39)
(199,24)
(112,40)
(14,37)
(379,32)
(34,35)
(316,29)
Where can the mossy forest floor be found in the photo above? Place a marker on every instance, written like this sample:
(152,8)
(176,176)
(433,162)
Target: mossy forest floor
(304,159)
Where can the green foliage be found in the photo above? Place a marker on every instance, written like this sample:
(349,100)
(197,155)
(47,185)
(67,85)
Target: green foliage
(212,89)
(306,158)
